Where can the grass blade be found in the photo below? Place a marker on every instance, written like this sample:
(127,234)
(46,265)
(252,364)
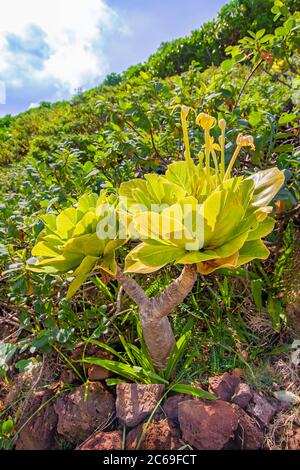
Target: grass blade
(190,390)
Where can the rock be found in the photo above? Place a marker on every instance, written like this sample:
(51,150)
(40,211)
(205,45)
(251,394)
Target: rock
(40,432)
(160,435)
(242,395)
(135,402)
(81,411)
(238,372)
(293,315)
(97,372)
(248,434)
(261,409)
(223,386)
(93,371)
(103,441)
(207,425)
(170,406)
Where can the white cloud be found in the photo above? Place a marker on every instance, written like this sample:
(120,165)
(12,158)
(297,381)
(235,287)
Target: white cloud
(33,105)
(59,40)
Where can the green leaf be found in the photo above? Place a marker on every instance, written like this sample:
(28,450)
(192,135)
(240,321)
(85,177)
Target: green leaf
(65,221)
(178,350)
(151,255)
(178,173)
(127,346)
(45,249)
(286,117)
(108,263)
(104,346)
(7,350)
(112,382)
(262,230)
(135,373)
(275,310)
(86,245)
(102,287)
(227,64)
(87,202)
(134,265)
(256,288)
(124,370)
(194,391)
(260,33)
(281,31)
(59,264)
(267,38)
(7,427)
(81,274)
(25,365)
(252,250)
(197,257)
(87,224)
(255,118)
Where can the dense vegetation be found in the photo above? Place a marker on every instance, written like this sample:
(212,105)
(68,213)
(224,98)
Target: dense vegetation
(123,129)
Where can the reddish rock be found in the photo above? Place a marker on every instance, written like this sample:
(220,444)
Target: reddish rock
(103,441)
(97,373)
(82,410)
(248,434)
(242,395)
(93,371)
(261,409)
(135,402)
(170,406)
(207,425)
(223,386)
(160,435)
(40,432)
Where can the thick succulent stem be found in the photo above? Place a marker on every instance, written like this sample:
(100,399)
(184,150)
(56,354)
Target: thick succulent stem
(158,334)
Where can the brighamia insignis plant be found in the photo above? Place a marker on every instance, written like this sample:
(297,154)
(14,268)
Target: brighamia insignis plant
(197,215)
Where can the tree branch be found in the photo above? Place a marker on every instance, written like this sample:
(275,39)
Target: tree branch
(132,289)
(177,291)
(246,82)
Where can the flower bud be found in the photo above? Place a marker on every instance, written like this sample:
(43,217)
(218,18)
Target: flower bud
(222,124)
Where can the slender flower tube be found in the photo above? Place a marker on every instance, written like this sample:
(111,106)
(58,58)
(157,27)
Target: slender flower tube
(241,141)
(222,125)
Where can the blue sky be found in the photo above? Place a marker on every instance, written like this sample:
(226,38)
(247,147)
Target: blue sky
(50,48)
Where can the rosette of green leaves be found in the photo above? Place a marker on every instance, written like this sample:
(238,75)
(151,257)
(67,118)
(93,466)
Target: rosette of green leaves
(232,216)
(70,241)
(154,192)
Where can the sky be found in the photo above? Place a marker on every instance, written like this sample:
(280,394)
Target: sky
(51,48)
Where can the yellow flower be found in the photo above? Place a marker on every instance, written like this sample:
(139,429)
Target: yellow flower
(245,141)
(205,121)
(212,144)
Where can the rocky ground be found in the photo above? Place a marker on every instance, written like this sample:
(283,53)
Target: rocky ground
(94,417)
